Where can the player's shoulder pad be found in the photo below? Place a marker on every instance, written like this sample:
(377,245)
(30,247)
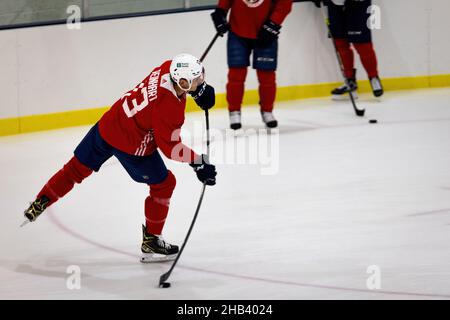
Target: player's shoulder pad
(166,83)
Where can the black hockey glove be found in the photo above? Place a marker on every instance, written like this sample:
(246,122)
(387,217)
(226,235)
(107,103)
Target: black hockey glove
(268,33)
(206,172)
(219,17)
(204,96)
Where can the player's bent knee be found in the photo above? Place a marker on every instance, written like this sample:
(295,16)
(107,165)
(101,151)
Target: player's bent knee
(170,181)
(76,170)
(165,188)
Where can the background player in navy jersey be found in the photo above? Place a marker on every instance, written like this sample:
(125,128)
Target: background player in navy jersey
(348,25)
(145,119)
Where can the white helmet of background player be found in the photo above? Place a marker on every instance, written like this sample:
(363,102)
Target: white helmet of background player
(185,66)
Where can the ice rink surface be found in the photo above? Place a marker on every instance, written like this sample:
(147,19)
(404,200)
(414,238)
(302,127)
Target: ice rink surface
(346,197)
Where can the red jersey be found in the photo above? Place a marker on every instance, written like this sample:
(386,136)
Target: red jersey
(248,16)
(148,117)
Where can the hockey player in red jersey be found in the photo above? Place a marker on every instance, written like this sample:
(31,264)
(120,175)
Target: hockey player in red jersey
(348,25)
(145,119)
(254,27)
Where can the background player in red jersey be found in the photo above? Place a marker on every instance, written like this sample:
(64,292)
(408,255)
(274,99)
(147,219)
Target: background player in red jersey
(145,119)
(254,27)
(348,24)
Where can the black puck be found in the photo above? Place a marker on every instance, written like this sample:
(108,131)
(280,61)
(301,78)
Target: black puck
(165,285)
(373,121)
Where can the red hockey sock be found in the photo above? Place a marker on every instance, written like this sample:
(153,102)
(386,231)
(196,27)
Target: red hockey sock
(63,181)
(267,89)
(235,88)
(347,56)
(368,58)
(157,204)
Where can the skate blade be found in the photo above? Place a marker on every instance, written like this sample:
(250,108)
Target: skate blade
(272,127)
(24,223)
(155,257)
(378,99)
(237,134)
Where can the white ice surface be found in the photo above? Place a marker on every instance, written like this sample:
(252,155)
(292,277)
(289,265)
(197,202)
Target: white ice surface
(348,195)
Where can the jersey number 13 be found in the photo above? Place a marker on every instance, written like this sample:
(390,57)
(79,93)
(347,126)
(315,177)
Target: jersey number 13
(131,100)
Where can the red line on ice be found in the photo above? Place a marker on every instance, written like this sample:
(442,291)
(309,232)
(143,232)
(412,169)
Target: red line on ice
(66,229)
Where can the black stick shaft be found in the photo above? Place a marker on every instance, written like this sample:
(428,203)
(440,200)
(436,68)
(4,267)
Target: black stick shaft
(209,47)
(166,275)
(207,132)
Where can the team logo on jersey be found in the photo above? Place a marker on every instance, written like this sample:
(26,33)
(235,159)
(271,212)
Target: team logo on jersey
(253,3)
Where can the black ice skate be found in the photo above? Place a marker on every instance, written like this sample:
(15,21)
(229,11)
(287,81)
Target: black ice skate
(377,87)
(269,119)
(235,120)
(155,249)
(36,208)
(349,85)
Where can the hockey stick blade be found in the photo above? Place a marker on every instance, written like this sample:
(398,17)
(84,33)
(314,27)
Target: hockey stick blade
(358,112)
(164,278)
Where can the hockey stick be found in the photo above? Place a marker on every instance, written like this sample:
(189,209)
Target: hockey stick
(359,112)
(209,47)
(165,276)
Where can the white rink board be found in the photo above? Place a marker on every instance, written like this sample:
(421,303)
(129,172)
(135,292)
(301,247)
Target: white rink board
(54,69)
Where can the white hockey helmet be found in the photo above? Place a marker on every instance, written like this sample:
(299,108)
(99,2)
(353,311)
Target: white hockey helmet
(185,66)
